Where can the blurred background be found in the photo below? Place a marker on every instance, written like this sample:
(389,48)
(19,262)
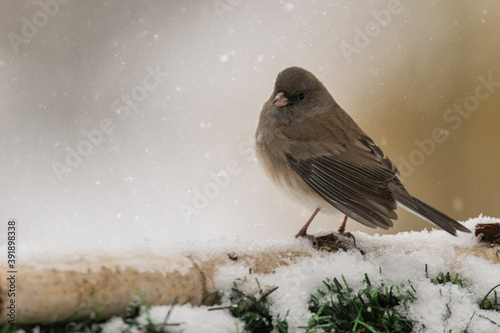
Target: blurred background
(131,120)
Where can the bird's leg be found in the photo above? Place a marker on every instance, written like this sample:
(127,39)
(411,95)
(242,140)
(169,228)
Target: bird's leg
(303,231)
(342,227)
(330,242)
(341,231)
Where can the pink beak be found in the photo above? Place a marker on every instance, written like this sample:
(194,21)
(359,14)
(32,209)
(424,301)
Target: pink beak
(280,99)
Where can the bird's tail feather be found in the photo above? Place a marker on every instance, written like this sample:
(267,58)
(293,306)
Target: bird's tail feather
(429,213)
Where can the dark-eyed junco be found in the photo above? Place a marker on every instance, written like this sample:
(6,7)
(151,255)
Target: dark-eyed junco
(312,147)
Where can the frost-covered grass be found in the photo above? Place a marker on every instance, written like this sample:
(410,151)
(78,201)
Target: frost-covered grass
(334,307)
(406,282)
(337,308)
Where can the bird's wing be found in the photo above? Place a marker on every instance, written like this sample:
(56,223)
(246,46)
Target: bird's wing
(383,159)
(353,178)
(357,190)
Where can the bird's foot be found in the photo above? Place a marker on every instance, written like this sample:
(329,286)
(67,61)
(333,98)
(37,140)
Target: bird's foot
(341,230)
(347,235)
(331,242)
(336,240)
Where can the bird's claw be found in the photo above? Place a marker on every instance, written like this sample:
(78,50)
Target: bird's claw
(330,242)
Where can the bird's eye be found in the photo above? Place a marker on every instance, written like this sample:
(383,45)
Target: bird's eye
(301,96)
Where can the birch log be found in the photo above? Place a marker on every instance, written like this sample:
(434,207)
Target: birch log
(74,290)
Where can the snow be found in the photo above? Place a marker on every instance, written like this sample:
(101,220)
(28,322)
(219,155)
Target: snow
(393,259)
(398,259)
(183,318)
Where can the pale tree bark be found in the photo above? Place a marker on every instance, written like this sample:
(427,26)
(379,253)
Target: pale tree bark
(74,290)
